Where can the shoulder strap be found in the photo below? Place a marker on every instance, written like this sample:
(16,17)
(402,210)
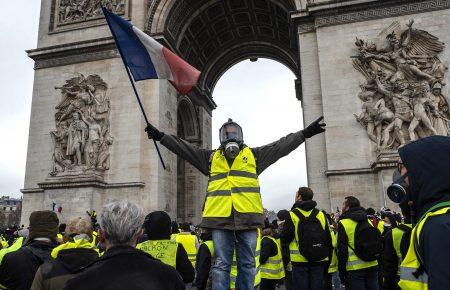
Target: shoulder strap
(298,213)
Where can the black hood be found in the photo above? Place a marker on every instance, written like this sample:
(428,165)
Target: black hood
(76,259)
(357,214)
(158,226)
(306,205)
(428,163)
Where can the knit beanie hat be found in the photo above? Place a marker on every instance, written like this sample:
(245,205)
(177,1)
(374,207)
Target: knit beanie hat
(158,225)
(43,224)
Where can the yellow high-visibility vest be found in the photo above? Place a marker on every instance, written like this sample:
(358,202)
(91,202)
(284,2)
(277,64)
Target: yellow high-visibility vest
(380,226)
(353,261)
(236,187)
(189,243)
(293,246)
(334,261)
(411,262)
(397,235)
(233,271)
(77,244)
(273,268)
(210,246)
(173,237)
(14,247)
(163,250)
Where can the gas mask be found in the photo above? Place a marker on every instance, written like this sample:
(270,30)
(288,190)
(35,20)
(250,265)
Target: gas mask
(398,190)
(231,138)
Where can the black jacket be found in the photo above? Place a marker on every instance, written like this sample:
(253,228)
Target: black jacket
(357,214)
(427,161)
(53,275)
(268,249)
(18,268)
(390,263)
(264,155)
(288,231)
(124,267)
(203,267)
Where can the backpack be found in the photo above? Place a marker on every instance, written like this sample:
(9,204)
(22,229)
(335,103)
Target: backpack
(404,243)
(312,238)
(368,242)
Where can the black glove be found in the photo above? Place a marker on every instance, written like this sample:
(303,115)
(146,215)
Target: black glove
(153,133)
(314,128)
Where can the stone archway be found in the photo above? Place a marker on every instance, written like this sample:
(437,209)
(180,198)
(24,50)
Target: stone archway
(214,35)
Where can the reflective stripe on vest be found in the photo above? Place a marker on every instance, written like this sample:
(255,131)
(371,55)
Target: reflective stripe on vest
(188,241)
(236,187)
(293,245)
(334,263)
(273,268)
(411,262)
(163,250)
(353,261)
(233,271)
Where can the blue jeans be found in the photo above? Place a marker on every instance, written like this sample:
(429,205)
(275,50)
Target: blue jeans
(308,277)
(224,243)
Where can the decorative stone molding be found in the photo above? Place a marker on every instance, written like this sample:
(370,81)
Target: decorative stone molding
(355,11)
(83,51)
(75,184)
(69,15)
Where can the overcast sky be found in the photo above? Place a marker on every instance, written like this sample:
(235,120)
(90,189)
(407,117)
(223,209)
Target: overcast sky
(260,96)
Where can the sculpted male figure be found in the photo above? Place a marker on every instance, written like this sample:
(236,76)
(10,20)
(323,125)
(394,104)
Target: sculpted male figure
(76,142)
(419,101)
(403,113)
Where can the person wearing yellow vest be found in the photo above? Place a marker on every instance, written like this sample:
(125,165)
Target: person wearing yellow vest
(308,234)
(355,273)
(422,180)
(75,253)
(189,242)
(19,267)
(204,261)
(396,244)
(270,259)
(233,207)
(157,226)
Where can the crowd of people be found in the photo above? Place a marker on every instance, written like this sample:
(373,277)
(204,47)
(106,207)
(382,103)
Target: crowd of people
(235,247)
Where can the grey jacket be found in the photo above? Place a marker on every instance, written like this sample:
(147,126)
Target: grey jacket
(264,155)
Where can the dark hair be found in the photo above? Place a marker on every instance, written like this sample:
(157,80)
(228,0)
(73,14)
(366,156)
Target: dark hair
(175,229)
(306,193)
(352,202)
(283,214)
(370,211)
(185,227)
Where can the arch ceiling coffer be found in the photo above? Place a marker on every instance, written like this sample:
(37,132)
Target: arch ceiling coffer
(213,35)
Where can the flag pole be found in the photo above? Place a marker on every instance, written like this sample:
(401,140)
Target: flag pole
(134,88)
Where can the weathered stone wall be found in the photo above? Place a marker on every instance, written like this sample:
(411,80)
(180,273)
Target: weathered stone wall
(348,155)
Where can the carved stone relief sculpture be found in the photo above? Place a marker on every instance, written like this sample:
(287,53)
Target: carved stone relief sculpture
(82,136)
(81,10)
(402,90)
(74,14)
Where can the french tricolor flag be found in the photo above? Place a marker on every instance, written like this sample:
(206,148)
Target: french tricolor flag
(147,58)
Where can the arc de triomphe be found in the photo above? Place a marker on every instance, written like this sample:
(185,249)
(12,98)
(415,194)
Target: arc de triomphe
(87,143)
